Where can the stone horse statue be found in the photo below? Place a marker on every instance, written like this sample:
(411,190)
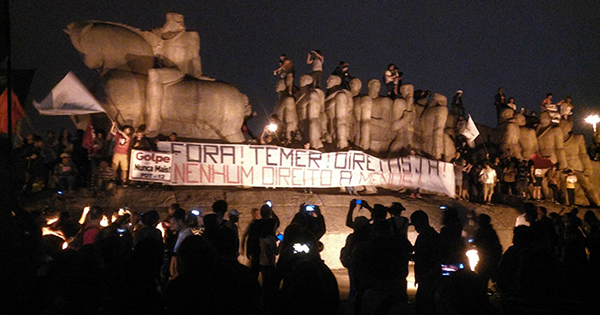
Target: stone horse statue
(182,101)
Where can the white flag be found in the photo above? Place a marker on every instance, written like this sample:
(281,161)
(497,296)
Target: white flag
(470,131)
(69,97)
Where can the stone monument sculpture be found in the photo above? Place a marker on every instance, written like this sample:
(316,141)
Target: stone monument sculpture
(528,142)
(381,116)
(363,105)
(155,78)
(432,123)
(285,108)
(550,141)
(354,125)
(507,134)
(578,160)
(338,108)
(404,114)
(310,109)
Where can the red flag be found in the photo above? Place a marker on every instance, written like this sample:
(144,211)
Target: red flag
(88,137)
(541,162)
(17,111)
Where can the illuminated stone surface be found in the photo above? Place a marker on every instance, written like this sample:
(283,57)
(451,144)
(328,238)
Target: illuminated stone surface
(155,78)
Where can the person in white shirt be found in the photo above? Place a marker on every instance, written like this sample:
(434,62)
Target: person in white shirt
(488,177)
(566,108)
(316,59)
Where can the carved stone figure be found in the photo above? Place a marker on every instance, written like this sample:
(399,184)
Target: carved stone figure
(354,124)
(338,107)
(404,116)
(175,47)
(507,134)
(115,49)
(528,142)
(381,116)
(285,108)
(420,103)
(189,108)
(363,106)
(433,121)
(107,45)
(550,141)
(578,160)
(310,109)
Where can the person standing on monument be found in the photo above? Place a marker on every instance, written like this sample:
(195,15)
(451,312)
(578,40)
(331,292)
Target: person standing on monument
(286,72)
(316,59)
(570,182)
(499,101)
(121,150)
(488,177)
(342,71)
(177,54)
(457,104)
(566,108)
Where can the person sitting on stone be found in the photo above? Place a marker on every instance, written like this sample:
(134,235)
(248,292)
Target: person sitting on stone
(552,109)
(65,173)
(286,72)
(103,178)
(316,59)
(342,71)
(511,103)
(392,79)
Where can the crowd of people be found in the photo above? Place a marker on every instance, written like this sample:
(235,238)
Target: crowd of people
(184,262)
(502,179)
(91,158)
(188,261)
(499,177)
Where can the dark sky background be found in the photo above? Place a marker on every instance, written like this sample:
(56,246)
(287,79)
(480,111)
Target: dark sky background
(528,47)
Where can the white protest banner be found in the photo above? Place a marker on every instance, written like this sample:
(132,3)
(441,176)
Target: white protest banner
(150,166)
(199,164)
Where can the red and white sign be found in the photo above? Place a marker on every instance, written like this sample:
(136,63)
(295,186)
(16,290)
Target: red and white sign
(150,166)
(199,164)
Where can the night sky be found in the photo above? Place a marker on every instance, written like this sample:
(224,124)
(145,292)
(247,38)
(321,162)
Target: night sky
(528,47)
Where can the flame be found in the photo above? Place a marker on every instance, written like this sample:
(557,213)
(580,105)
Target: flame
(473,258)
(160,227)
(104,221)
(84,215)
(48,231)
(123,211)
(113,218)
(51,221)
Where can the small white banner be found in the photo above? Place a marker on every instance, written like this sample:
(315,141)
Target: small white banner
(150,166)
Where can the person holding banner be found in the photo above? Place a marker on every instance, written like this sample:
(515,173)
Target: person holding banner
(121,150)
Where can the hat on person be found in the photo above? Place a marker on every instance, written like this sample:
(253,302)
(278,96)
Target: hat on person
(64,155)
(234,212)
